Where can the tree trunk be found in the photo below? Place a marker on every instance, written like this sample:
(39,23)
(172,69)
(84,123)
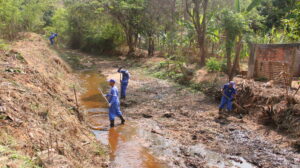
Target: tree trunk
(238,52)
(199,24)
(202,50)
(130,39)
(212,48)
(150,45)
(234,69)
(203,32)
(228,53)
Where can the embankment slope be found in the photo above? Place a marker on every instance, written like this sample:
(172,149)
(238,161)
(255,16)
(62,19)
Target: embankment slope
(38,124)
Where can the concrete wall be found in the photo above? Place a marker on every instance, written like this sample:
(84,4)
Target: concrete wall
(269,60)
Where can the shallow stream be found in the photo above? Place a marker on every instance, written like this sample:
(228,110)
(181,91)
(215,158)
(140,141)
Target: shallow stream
(126,149)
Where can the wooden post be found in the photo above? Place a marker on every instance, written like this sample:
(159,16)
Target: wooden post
(77,105)
(75,94)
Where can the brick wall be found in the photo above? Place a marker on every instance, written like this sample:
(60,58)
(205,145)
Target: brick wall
(270,60)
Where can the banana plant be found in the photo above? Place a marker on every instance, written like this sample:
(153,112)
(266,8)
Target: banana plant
(253,4)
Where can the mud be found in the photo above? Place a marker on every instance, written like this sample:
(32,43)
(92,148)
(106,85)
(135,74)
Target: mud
(126,149)
(183,128)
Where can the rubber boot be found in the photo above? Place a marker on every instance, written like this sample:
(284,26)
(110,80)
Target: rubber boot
(112,123)
(122,120)
(220,113)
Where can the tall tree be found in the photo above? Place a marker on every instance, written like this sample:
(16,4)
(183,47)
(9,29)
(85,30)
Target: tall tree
(128,14)
(156,17)
(233,25)
(275,11)
(197,11)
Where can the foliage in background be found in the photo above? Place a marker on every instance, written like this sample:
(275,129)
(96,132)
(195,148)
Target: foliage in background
(274,11)
(22,15)
(193,30)
(80,25)
(292,24)
(213,65)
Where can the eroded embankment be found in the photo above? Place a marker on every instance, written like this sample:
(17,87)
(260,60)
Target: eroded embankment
(38,123)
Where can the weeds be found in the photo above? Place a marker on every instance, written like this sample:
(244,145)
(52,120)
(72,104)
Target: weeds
(6,139)
(20,57)
(3,45)
(213,65)
(22,160)
(98,150)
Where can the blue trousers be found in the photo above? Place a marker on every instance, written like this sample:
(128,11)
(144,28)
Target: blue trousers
(114,111)
(123,89)
(226,101)
(51,41)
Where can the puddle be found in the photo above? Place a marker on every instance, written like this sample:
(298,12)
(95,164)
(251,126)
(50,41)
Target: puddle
(221,161)
(125,141)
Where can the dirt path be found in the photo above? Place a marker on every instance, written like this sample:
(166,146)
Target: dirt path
(182,128)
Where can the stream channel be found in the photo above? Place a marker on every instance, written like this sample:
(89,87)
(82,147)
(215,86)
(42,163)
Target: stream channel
(125,143)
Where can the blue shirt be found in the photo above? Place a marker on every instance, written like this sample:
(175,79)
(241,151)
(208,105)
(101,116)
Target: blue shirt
(53,36)
(229,92)
(126,75)
(113,95)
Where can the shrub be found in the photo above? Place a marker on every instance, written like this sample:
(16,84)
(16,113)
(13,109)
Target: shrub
(213,65)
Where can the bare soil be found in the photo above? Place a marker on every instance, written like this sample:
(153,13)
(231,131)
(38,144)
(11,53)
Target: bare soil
(190,119)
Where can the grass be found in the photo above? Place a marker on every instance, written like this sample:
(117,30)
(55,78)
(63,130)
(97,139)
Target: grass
(98,150)
(6,139)
(13,156)
(3,45)
(7,154)
(20,57)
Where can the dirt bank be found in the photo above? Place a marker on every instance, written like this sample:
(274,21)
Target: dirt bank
(38,124)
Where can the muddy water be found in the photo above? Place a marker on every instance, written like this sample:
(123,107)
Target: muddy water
(124,141)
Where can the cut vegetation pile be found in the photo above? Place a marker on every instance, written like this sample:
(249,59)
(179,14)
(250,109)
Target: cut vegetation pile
(271,105)
(38,121)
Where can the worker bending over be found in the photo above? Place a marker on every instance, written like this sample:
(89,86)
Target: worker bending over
(52,37)
(228,93)
(114,104)
(124,81)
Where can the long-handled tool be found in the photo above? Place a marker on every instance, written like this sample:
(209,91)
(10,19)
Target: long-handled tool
(103,95)
(121,80)
(237,105)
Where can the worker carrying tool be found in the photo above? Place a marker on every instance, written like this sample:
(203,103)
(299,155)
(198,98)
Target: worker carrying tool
(124,79)
(114,104)
(52,37)
(228,97)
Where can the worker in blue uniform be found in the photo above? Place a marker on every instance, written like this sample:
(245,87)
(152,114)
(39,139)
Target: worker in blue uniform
(52,37)
(228,93)
(114,104)
(124,81)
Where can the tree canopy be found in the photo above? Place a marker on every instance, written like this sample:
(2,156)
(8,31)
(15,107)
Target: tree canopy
(192,30)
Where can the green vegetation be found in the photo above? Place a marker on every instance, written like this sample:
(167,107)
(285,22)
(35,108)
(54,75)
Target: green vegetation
(213,65)
(200,31)
(9,155)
